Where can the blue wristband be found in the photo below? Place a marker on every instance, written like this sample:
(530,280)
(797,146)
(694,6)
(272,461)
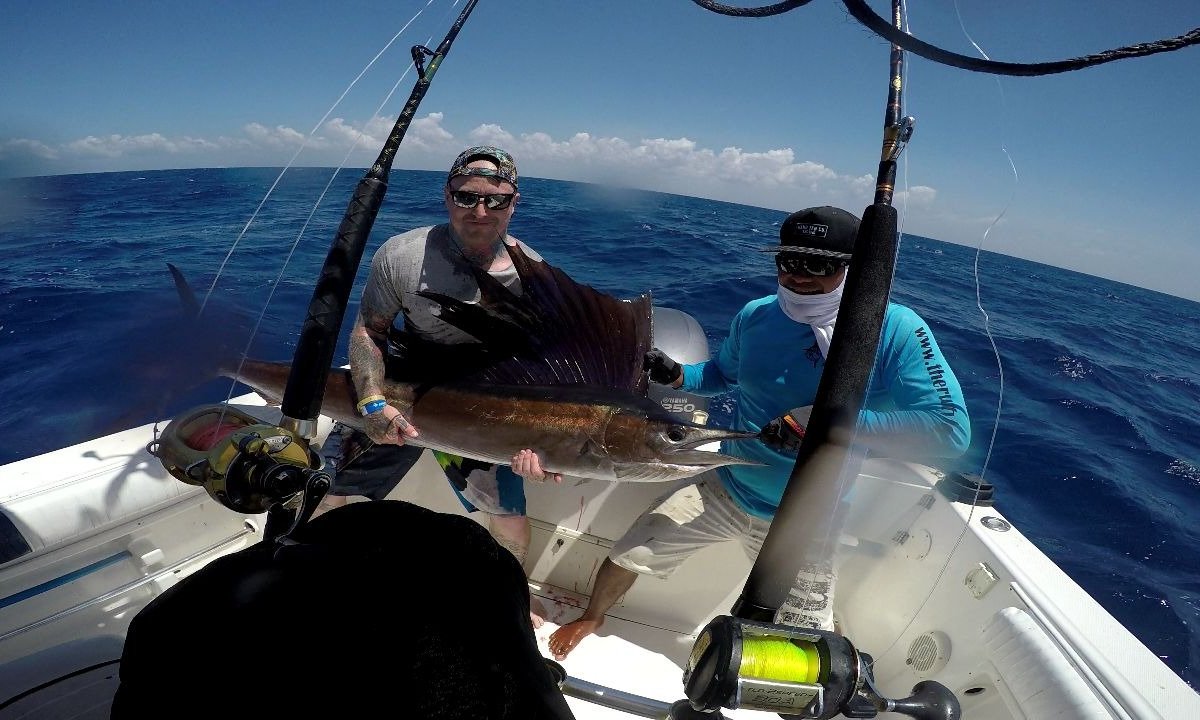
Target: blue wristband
(373,407)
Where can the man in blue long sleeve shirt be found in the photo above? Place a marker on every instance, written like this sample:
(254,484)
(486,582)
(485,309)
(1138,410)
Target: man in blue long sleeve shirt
(772,361)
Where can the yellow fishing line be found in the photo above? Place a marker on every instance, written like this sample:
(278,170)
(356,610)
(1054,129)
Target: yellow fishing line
(776,658)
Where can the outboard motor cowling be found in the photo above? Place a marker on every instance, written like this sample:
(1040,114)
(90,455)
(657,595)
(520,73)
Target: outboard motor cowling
(679,336)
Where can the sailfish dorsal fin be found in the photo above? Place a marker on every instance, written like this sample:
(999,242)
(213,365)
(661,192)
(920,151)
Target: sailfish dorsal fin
(557,332)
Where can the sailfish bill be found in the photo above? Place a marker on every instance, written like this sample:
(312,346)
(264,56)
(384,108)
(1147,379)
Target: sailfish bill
(557,369)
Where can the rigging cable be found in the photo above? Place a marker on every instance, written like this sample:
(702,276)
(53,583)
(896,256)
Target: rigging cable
(879,25)
(304,144)
(270,191)
(318,336)
(764,11)
(316,205)
(987,329)
(902,632)
(49,683)
(808,516)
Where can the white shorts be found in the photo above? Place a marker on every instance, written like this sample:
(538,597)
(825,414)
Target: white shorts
(683,522)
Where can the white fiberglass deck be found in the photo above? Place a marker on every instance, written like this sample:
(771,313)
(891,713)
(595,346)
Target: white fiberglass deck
(931,588)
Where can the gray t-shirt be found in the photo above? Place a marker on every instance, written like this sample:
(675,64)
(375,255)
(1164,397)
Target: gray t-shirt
(427,258)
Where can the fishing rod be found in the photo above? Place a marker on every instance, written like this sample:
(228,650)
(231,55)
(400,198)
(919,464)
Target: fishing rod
(251,466)
(805,510)
(745,660)
(318,337)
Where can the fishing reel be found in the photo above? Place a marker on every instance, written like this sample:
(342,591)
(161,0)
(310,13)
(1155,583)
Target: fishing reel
(243,463)
(796,672)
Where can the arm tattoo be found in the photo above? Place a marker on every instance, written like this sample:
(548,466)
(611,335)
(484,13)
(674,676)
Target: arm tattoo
(366,357)
(513,547)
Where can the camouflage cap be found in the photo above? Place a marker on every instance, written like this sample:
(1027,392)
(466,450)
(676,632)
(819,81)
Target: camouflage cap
(506,167)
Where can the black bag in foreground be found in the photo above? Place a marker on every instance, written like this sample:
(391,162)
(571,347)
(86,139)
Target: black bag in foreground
(381,608)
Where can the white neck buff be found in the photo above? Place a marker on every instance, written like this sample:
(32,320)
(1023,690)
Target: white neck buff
(819,311)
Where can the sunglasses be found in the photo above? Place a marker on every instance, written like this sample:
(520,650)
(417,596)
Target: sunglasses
(468,200)
(808,265)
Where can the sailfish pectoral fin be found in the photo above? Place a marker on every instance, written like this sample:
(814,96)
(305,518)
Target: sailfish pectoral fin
(594,453)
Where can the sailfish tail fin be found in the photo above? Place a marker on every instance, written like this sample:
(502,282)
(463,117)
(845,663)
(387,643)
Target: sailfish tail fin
(170,354)
(187,296)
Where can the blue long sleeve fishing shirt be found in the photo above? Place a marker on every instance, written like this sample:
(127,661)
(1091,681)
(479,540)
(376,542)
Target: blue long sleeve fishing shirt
(914,406)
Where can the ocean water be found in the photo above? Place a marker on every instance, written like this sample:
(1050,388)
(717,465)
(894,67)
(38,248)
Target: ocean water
(1097,452)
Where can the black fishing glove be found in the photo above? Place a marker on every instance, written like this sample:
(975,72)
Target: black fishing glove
(785,433)
(663,370)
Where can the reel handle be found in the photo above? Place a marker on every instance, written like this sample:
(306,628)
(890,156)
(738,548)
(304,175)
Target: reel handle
(930,701)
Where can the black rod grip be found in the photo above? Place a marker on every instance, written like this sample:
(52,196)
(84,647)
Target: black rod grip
(805,518)
(319,334)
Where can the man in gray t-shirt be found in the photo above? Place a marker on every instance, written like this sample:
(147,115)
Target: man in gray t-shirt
(480,197)
(429,258)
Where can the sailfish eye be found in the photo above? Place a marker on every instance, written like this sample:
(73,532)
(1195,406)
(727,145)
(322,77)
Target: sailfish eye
(676,434)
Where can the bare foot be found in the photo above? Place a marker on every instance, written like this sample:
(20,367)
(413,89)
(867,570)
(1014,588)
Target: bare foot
(537,612)
(563,640)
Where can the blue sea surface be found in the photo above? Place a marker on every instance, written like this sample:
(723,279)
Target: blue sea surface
(1097,449)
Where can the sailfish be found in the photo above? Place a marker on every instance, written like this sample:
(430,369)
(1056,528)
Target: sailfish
(558,368)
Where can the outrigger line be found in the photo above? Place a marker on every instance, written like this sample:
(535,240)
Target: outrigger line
(318,337)
(826,460)
(248,466)
(806,514)
(820,673)
(779,661)
(898,37)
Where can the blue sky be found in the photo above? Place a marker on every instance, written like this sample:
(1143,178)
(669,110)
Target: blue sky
(784,112)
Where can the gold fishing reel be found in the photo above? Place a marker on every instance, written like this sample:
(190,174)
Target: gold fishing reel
(243,463)
(796,672)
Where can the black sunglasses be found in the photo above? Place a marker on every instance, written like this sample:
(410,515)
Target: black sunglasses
(813,265)
(494,201)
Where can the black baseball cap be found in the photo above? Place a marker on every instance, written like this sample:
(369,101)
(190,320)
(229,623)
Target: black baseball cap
(825,231)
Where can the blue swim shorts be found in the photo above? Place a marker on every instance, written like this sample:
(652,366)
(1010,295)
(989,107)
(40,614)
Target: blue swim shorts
(494,489)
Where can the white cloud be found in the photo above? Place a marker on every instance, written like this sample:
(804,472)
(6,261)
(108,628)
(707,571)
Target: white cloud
(916,196)
(279,136)
(344,135)
(428,133)
(423,135)
(488,134)
(772,177)
(114,146)
(23,147)
(117,145)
